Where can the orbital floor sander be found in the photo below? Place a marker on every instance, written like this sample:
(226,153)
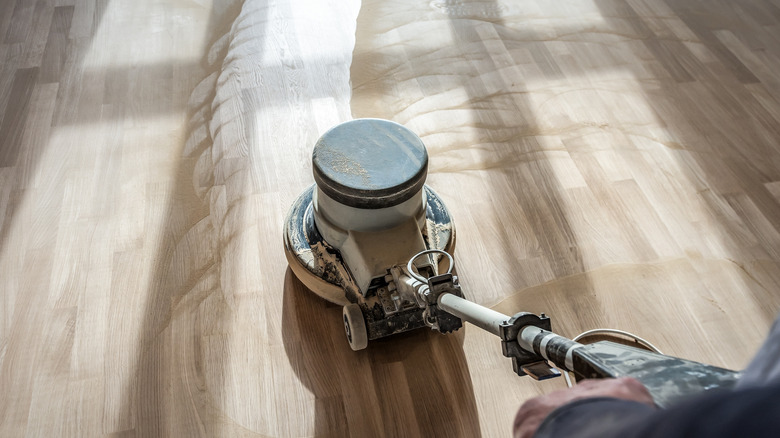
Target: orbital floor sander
(372,236)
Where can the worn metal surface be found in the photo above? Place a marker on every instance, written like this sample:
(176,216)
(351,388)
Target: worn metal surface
(370,163)
(527,339)
(667,378)
(306,247)
(313,260)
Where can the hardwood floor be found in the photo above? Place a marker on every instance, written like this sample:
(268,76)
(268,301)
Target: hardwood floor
(610,163)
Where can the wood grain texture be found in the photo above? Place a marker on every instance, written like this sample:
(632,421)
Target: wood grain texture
(611,163)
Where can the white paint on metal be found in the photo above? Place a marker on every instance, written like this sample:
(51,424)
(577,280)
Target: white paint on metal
(526,337)
(543,345)
(569,362)
(482,317)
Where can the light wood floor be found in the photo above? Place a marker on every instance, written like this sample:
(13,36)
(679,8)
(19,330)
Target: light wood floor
(611,163)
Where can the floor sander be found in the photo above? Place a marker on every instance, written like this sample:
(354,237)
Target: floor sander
(371,236)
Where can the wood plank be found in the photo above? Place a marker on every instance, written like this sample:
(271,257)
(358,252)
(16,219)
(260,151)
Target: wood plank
(19,25)
(12,128)
(54,54)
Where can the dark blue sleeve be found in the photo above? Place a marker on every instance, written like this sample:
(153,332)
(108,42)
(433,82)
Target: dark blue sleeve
(753,412)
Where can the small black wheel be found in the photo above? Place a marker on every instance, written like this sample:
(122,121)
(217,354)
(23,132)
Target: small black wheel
(355,326)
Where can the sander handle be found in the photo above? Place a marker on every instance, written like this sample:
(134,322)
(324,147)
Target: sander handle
(529,341)
(481,316)
(525,361)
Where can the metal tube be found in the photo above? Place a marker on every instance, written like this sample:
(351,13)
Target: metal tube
(555,348)
(482,317)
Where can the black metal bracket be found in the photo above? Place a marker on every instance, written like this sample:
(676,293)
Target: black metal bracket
(437,285)
(510,348)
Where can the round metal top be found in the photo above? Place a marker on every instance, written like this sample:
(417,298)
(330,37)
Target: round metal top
(370,163)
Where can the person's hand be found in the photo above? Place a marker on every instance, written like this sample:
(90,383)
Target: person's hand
(533,412)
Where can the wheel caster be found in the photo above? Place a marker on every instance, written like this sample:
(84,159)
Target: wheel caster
(355,326)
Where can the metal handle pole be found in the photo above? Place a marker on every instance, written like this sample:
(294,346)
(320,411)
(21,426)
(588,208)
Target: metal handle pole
(482,317)
(555,348)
